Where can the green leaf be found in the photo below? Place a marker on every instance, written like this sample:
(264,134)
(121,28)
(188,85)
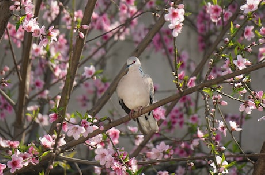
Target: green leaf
(187,14)
(129,172)
(71,155)
(79,114)
(232,28)
(21,19)
(63,165)
(258,34)
(139,171)
(98,72)
(230,164)
(223,157)
(227,143)
(208,91)
(214,2)
(159,2)
(41,173)
(45,153)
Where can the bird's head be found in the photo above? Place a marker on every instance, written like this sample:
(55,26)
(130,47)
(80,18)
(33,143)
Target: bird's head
(133,61)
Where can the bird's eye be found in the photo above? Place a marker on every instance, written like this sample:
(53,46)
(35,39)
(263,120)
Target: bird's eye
(133,61)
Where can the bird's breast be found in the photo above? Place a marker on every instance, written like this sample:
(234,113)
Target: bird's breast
(134,91)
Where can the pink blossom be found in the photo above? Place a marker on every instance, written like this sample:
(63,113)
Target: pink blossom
(220,164)
(222,128)
(159,113)
(200,134)
(133,164)
(175,16)
(30,25)
(15,164)
(181,75)
(75,131)
(37,50)
(261,54)
(2,167)
(247,106)
(81,35)
(114,135)
(191,82)
(13,144)
(85,26)
(42,120)
(26,158)
(215,12)
(194,143)
(88,127)
(47,141)
(234,126)
(262,31)
(176,29)
(180,170)
(250,6)
(241,62)
(53,117)
(103,156)
(89,71)
(94,141)
(129,2)
(248,33)
(162,173)
(118,168)
(133,129)
(194,119)
(3,143)
(138,139)
(38,83)
(52,34)
(227,15)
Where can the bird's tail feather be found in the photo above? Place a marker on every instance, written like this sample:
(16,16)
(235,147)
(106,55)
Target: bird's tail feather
(147,123)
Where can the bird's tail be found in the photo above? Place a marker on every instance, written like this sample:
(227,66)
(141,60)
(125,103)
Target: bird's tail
(147,123)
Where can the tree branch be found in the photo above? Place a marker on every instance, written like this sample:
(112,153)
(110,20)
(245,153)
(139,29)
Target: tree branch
(172,98)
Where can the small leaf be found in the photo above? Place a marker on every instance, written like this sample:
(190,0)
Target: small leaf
(45,153)
(21,19)
(215,2)
(98,72)
(129,172)
(230,164)
(232,28)
(208,91)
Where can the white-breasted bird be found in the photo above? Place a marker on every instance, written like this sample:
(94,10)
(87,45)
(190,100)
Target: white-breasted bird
(135,91)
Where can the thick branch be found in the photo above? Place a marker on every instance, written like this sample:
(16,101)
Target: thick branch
(4,16)
(25,77)
(165,101)
(74,61)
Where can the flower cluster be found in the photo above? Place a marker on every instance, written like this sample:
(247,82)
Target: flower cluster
(160,151)
(176,17)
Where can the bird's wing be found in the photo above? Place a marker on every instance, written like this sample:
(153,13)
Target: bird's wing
(124,107)
(147,123)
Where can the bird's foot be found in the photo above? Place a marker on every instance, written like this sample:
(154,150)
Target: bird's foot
(131,114)
(140,110)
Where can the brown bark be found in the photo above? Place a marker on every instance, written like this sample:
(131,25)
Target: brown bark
(19,131)
(5,14)
(259,166)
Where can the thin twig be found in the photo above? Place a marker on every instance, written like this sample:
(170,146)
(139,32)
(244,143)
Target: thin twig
(8,99)
(14,57)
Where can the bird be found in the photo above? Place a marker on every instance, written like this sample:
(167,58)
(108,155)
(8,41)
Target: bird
(136,90)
